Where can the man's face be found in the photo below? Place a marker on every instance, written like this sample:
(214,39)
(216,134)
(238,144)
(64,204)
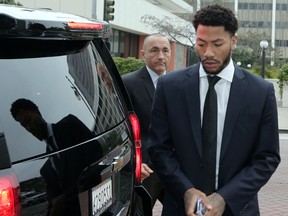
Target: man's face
(157,54)
(214,46)
(103,72)
(33,122)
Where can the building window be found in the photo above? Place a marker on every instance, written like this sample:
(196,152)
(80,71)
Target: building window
(283,7)
(256,24)
(255,6)
(281,43)
(124,44)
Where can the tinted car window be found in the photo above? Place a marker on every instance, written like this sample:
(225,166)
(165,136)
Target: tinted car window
(75,84)
(76,96)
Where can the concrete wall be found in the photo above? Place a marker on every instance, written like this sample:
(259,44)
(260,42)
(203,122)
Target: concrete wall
(82,8)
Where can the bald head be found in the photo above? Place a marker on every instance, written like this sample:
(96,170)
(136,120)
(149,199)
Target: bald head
(156,52)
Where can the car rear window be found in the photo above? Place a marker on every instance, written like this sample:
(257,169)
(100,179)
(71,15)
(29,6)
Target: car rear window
(60,83)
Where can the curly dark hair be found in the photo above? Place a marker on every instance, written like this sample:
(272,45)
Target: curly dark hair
(22,104)
(216,15)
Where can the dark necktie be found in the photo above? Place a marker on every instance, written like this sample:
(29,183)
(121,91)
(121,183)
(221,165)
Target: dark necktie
(209,136)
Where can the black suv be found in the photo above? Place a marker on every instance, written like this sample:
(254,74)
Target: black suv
(68,134)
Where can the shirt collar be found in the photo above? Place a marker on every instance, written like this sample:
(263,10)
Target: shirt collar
(227,73)
(49,130)
(154,76)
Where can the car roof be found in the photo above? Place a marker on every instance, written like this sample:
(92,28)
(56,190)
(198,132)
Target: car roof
(24,22)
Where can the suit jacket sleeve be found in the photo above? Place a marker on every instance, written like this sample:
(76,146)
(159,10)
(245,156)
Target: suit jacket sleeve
(240,191)
(161,149)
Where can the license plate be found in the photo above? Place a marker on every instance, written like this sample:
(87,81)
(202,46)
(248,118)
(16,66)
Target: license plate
(101,197)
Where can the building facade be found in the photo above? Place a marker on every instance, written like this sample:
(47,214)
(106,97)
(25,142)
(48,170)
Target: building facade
(127,30)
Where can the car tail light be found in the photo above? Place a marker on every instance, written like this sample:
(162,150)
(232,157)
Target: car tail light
(46,23)
(9,195)
(88,26)
(137,140)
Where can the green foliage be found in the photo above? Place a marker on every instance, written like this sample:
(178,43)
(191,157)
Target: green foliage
(256,69)
(244,56)
(283,78)
(10,2)
(270,71)
(127,65)
(248,48)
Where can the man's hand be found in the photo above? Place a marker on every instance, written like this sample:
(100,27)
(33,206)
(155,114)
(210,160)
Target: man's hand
(218,205)
(145,172)
(190,199)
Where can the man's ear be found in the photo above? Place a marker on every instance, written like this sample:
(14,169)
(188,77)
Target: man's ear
(234,40)
(142,53)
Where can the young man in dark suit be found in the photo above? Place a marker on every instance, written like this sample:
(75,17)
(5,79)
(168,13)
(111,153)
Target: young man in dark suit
(141,85)
(62,170)
(241,152)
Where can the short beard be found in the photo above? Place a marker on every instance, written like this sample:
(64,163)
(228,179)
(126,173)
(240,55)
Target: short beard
(225,63)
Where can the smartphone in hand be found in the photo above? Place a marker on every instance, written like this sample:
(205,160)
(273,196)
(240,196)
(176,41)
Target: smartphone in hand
(200,209)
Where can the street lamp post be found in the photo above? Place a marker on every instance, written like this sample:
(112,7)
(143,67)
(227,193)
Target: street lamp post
(263,44)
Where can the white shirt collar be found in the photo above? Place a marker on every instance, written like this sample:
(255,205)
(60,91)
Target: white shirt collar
(227,73)
(154,76)
(51,135)
(49,130)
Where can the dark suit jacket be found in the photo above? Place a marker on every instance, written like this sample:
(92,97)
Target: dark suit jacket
(69,132)
(141,91)
(250,143)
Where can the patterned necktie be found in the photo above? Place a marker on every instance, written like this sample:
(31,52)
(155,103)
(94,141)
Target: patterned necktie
(209,136)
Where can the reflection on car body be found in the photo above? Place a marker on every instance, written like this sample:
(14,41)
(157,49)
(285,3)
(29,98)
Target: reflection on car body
(55,64)
(61,180)
(32,197)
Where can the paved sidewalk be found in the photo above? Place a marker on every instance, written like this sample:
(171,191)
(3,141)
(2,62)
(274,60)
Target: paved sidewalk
(283,119)
(273,197)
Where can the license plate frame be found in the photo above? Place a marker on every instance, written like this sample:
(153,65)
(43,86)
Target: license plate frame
(101,197)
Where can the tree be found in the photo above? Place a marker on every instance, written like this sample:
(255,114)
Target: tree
(283,78)
(244,56)
(168,26)
(248,49)
(179,31)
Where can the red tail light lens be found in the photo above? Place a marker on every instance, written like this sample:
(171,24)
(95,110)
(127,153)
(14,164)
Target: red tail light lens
(87,26)
(137,139)
(9,196)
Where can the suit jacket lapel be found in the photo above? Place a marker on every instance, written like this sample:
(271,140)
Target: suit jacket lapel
(237,92)
(191,88)
(147,82)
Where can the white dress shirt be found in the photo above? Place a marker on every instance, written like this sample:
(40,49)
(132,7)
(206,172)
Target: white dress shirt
(154,76)
(52,146)
(222,89)
(50,135)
